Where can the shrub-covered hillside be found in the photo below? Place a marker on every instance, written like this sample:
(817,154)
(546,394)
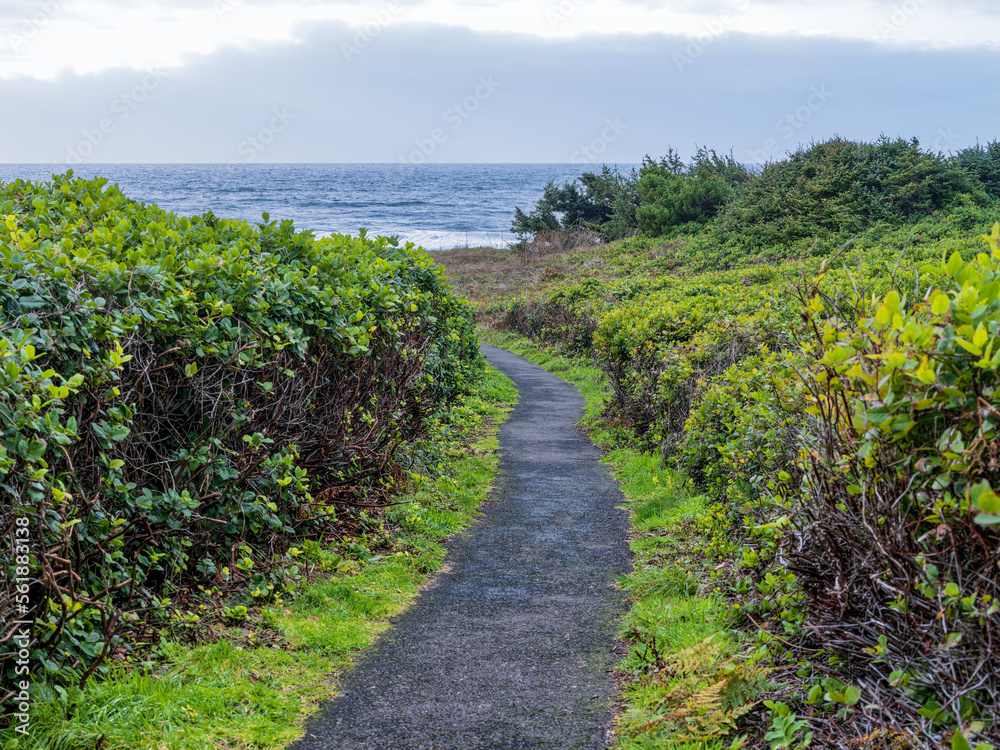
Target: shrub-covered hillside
(806,204)
(184,398)
(838,410)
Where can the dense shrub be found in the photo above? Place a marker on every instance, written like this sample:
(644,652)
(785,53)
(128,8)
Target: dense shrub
(663,196)
(560,321)
(840,188)
(183,397)
(983,162)
(671,201)
(657,348)
(603,202)
(677,197)
(897,539)
(808,204)
(743,430)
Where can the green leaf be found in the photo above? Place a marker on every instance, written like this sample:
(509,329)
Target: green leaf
(117,434)
(981,336)
(970,347)
(191,370)
(958,742)
(35,450)
(892,301)
(955,264)
(926,374)
(989,502)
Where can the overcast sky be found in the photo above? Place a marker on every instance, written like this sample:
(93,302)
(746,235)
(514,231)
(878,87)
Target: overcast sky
(488,80)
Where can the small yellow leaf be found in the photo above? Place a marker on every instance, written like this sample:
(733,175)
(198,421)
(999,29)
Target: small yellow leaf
(981,336)
(892,301)
(941,304)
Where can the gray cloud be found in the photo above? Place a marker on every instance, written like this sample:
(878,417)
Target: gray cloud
(413,88)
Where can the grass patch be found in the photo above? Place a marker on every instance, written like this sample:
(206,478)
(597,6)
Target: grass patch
(255,686)
(687,682)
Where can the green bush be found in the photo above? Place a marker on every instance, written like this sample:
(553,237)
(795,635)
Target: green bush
(983,162)
(656,348)
(180,397)
(840,188)
(663,196)
(897,539)
(603,202)
(569,326)
(678,202)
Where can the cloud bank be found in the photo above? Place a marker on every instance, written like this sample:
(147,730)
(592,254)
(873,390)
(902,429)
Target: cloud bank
(399,91)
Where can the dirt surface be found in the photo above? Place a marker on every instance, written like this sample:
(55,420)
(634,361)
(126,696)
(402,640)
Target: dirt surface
(511,646)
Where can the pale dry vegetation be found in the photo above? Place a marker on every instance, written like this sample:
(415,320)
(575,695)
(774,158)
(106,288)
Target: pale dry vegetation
(485,274)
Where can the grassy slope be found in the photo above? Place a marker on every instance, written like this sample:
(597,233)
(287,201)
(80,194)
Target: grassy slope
(492,278)
(254,687)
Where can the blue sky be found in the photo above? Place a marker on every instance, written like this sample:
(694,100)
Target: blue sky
(512,81)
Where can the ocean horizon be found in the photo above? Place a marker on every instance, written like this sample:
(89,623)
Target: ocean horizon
(436,206)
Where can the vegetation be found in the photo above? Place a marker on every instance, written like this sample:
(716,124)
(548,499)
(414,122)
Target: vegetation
(813,370)
(807,204)
(188,403)
(264,668)
(206,425)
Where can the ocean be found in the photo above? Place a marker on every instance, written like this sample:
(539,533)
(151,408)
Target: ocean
(436,206)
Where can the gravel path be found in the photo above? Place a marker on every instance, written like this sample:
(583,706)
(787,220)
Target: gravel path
(511,646)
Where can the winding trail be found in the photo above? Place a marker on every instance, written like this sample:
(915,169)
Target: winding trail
(511,646)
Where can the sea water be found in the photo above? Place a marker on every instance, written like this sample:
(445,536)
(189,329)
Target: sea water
(437,206)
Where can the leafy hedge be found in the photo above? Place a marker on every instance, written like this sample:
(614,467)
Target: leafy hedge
(182,398)
(897,536)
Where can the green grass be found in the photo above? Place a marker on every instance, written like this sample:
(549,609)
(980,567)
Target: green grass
(683,646)
(254,688)
(680,632)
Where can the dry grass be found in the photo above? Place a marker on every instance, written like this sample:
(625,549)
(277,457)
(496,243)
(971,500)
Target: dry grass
(485,274)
